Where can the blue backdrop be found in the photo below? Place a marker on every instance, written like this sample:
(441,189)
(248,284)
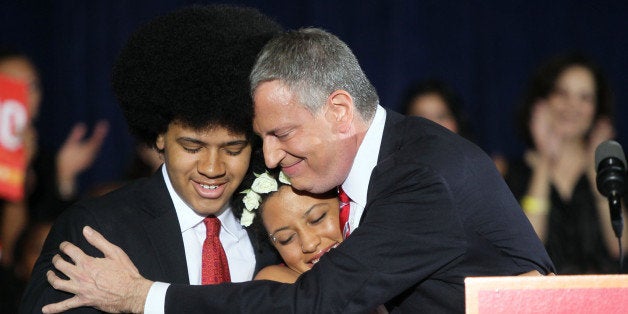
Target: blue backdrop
(484,49)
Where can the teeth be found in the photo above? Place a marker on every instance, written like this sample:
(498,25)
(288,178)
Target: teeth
(210,187)
(315,261)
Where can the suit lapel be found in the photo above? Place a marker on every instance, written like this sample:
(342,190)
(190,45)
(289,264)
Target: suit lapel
(391,138)
(164,231)
(392,141)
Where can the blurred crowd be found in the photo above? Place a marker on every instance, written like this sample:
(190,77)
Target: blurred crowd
(50,184)
(565,112)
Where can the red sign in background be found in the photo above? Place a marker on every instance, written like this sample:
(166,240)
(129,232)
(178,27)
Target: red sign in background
(13,123)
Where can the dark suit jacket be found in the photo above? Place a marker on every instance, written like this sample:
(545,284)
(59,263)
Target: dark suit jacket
(437,211)
(141,219)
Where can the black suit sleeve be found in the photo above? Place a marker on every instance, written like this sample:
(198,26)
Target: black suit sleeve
(392,250)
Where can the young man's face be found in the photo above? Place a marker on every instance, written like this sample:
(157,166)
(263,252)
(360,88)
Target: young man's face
(205,166)
(308,147)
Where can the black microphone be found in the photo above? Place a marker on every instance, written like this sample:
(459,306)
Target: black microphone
(611,176)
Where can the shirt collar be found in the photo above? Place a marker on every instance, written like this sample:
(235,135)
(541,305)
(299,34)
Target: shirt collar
(188,218)
(356,184)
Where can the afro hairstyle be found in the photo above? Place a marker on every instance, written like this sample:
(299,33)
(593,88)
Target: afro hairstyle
(191,66)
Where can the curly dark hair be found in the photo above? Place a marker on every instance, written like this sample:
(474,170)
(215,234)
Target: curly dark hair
(191,66)
(543,83)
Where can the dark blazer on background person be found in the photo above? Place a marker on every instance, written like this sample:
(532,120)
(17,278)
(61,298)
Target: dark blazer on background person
(141,219)
(437,211)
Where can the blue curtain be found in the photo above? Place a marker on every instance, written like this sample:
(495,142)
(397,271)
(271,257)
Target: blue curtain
(484,49)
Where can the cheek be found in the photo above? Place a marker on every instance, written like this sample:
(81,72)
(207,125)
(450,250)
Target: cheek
(290,254)
(180,163)
(589,109)
(238,166)
(331,229)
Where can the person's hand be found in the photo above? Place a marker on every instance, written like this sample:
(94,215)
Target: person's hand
(546,141)
(78,154)
(111,284)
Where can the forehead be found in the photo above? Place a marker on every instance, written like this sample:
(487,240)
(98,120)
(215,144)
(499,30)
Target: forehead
(288,204)
(284,202)
(431,100)
(177,128)
(577,75)
(18,68)
(275,105)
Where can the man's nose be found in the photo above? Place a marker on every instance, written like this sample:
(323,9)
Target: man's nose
(273,154)
(211,164)
(309,241)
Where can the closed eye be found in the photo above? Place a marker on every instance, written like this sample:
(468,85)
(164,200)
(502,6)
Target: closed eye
(287,240)
(234,152)
(319,219)
(192,150)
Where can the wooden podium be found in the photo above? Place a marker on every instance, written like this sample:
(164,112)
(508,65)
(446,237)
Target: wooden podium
(607,294)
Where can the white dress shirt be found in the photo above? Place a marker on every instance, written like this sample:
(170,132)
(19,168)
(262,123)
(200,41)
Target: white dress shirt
(356,187)
(234,239)
(357,183)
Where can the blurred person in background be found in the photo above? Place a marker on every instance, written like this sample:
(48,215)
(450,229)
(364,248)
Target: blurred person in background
(51,182)
(565,114)
(435,100)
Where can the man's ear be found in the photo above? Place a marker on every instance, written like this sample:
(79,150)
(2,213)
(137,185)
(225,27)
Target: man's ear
(340,110)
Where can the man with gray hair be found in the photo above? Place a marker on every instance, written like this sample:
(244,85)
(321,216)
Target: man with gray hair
(427,207)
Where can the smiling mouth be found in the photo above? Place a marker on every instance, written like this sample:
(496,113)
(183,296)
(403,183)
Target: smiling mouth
(290,169)
(319,255)
(209,187)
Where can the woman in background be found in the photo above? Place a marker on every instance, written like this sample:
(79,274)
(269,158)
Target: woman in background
(434,100)
(565,115)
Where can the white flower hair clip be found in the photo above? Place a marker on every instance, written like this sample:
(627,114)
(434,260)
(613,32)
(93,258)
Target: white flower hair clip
(264,183)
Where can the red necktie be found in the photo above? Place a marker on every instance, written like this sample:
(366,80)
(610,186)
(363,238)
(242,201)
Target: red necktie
(215,266)
(345,209)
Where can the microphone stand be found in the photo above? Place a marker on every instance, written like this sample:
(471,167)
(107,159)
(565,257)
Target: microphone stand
(617,221)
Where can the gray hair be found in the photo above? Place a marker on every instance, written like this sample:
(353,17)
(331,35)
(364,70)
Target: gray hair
(314,63)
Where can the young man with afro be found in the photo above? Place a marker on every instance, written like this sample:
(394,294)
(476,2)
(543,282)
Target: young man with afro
(182,83)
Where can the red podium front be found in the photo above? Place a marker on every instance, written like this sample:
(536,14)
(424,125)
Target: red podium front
(607,294)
